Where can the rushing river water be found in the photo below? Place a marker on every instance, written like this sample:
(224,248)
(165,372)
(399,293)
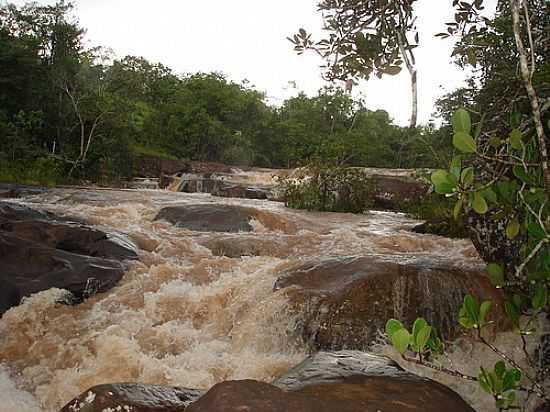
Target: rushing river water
(181,315)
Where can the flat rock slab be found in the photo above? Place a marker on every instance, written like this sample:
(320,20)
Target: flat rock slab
(346,301)
(133,397)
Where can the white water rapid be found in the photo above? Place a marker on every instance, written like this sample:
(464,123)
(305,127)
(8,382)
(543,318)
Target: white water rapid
(181,315)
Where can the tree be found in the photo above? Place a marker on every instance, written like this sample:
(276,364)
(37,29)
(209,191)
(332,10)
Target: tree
(499,182)
(366,37)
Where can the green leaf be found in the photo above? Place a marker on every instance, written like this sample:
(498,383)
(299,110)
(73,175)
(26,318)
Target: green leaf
(472,310)
(515,139)
(521,174)
(479,204)
(456,167)
(458,208)
(400,340)
(513,313)
(422,338)
(462,122)
(464,142)
(500,368)
(489,195)
(512,230)
(468,316)
(483,311)
(536,230)
(467,177)
(419,323)
(540,298)
(392,70)
(442,182)
(485,381)
(496,274)
(392,326)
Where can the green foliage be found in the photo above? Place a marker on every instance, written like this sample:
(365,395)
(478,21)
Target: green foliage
(501,383)
(422,340)
(328,189)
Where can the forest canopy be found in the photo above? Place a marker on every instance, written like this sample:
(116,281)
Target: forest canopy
(70,111)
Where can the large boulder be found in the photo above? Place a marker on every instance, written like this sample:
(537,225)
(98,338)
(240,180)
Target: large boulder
(74,238)
(345,301)
(39,251)
(223,218)
(209,218)
(133,397)
(28,267)
(327,382)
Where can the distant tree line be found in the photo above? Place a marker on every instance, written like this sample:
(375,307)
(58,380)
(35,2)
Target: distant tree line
(67,111)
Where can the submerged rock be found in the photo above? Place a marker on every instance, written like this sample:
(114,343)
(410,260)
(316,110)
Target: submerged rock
(346,301)
(133,397)
(39,252)
(341,381)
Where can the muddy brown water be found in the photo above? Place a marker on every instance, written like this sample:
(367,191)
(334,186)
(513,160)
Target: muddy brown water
(185,315)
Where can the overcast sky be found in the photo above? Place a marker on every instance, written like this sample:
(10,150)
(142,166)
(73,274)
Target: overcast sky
(246,39)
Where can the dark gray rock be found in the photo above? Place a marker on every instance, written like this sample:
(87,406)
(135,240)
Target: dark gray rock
(133,397)
(39,251)
(209,218)
(28,267)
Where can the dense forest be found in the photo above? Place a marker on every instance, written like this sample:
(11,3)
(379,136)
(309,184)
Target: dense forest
(68,111)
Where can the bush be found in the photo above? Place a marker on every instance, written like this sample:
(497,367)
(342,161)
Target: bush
(328,189)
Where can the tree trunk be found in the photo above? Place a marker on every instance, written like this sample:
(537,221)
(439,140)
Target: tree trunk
(414,94)
(527,75)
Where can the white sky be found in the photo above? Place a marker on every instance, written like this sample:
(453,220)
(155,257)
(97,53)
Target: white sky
(246,39)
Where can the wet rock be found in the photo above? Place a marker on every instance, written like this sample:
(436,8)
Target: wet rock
(392,192)
(133,397)
(29,267)
(375,380)
(15,212)
(241,191)
(346,301)
(72,238)
(209,218)
(39,251)
(329,382)
(13,190)
(196,184)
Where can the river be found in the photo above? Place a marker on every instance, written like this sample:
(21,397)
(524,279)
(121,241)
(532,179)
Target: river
(182,315)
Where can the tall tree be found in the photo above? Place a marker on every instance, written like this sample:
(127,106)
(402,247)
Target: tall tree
(366,37)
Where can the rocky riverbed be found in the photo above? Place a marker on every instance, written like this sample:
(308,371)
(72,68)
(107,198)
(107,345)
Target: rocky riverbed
(201,294)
